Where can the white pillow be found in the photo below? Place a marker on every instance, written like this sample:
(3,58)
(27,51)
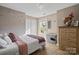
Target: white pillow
(3,43)
(7,39)
(1,35)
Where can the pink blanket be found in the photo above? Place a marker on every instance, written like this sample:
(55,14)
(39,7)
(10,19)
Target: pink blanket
(23,49)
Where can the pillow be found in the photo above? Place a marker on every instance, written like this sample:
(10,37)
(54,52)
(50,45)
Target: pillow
(3,43)
(1,35)
(12,37)
(7,39)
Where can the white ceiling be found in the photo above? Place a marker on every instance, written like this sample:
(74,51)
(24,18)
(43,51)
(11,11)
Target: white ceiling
(37,9)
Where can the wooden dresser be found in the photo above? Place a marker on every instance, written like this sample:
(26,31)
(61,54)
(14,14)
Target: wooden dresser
(69,38)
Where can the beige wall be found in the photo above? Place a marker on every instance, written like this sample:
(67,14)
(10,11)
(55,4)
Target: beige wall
(53,19)
(61,14)
(12,21)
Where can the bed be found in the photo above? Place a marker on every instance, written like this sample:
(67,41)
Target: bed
(30,44)
(33,44)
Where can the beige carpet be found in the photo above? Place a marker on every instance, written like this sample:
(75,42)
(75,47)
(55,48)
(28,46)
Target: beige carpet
(51,49)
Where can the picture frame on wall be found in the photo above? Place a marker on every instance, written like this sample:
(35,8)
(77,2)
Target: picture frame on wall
(49,24)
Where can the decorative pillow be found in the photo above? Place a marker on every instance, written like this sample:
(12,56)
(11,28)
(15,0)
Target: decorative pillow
(12,37)
(3,43)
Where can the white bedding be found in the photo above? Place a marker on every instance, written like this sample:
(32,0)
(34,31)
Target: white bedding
(33,45)
(10,50)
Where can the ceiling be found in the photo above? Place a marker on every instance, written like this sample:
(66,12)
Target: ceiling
(37,9)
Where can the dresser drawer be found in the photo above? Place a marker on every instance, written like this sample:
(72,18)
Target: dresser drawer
(69,30)
(71,44)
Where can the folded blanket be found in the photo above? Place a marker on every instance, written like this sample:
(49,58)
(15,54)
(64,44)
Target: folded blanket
(23,49)
(41,39)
